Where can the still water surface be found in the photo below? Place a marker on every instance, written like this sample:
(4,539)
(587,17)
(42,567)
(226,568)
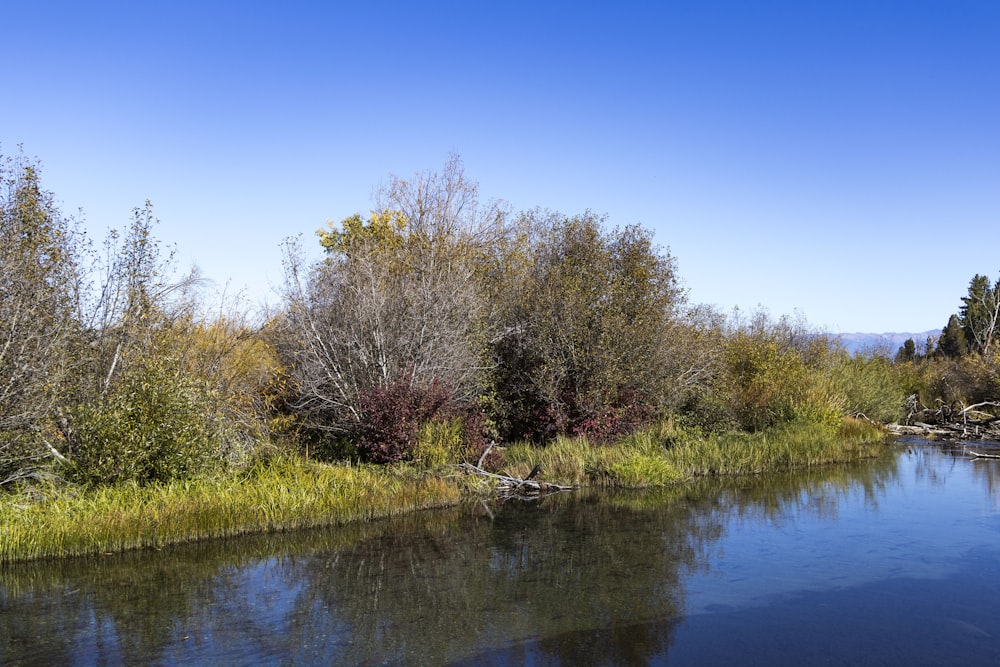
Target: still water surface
(895,562)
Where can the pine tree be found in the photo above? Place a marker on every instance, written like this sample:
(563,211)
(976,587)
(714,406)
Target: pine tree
(953,342)
(907,352)
(980,314)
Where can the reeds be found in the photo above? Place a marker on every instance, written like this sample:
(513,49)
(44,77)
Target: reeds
(796,445)
(665,454)
(291,493)
(281,495)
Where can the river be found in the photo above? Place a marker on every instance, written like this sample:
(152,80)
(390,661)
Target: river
(891,562)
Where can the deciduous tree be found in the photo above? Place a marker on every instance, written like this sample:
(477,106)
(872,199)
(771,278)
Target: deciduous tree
(397,297)
(586,315)
(39,300)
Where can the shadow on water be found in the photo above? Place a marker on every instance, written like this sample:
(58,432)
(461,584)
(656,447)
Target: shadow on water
(582,578)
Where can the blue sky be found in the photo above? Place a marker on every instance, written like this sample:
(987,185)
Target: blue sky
(838,158)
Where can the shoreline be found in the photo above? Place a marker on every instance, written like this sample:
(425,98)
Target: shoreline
(292,493)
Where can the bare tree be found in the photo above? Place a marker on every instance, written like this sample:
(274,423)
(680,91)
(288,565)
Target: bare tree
(137,295)
(39,297)
(691,353)
(396,297)
(980,315)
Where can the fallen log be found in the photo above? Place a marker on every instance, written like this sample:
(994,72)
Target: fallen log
(946,423)
(919,429)
(515,487)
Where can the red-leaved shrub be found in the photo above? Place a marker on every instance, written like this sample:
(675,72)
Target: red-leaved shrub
(392,416)
(607,423)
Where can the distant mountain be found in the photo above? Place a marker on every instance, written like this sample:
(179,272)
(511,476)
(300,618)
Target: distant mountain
(883,343)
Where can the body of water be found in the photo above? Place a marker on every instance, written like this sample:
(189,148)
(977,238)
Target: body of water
(893,562)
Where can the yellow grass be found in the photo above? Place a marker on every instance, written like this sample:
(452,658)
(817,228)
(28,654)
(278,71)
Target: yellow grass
(282,495)
(665,454)
(292,493)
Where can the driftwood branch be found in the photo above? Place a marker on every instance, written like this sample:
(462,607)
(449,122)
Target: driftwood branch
(511,487)
(979,405)
(951,423)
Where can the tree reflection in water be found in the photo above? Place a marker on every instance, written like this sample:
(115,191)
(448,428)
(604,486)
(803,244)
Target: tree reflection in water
(592,578)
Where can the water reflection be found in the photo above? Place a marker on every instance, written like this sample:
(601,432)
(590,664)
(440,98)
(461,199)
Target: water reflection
(986,469)
(574,579)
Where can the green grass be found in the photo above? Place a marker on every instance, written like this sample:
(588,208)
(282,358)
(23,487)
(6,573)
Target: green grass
(282,495)
(666,454)
(635,462)
(785,448)
(291,493)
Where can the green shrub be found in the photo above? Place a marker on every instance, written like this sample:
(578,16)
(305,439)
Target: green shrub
(707,411)
(152,426)
(768,384)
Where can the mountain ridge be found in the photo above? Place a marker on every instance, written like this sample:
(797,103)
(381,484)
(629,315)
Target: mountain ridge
(884,343)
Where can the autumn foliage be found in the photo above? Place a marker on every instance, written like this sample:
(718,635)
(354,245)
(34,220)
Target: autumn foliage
(430,327)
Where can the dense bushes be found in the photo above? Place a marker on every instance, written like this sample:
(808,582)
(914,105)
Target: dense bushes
(430,327)
(110,370)
(39,302)
(780,371)
(767,384)
(554,325)
(871,387)
(586,314)
(955,382)
(151,427)
(391,418)
(775,372)
(197,399)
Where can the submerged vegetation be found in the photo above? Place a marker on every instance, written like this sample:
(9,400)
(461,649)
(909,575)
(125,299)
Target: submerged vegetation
(132,414)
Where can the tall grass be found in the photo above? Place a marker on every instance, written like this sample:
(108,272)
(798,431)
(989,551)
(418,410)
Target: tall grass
(666,453)
(794,445)
(291,493)
(280,495)
(634,462)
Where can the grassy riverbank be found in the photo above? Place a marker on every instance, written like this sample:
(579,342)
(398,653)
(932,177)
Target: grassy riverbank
(281,495)
(666,454)
(292,493)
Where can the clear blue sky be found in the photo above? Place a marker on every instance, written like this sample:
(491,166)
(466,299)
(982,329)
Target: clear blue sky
(841,158)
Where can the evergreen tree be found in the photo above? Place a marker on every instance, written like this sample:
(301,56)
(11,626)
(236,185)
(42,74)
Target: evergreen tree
(980,314)
(907,352)
(953,342)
